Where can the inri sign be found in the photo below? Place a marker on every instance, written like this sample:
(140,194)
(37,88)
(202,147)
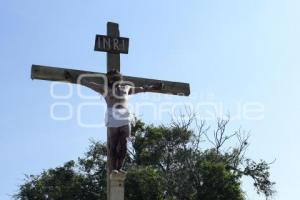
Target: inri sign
(111,44)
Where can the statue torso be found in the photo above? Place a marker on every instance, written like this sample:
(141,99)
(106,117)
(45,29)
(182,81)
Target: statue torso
(117,97)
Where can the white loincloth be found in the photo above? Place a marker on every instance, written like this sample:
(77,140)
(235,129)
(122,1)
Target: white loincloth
(117,117)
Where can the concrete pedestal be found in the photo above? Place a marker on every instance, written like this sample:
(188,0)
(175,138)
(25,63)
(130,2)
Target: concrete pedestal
(117,186)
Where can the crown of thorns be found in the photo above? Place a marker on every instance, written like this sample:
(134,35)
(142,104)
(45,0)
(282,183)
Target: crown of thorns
(113,72)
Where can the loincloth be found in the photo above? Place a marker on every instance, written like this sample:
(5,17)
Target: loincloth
(117,117)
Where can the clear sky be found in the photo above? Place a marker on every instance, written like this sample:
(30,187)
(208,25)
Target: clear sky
(234,53)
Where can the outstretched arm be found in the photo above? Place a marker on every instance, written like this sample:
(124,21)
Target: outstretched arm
(146,88)
(94,86)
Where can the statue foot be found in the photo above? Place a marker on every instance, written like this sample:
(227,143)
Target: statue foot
(122,171)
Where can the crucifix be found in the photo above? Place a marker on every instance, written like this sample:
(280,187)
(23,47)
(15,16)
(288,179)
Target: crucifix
(115,88)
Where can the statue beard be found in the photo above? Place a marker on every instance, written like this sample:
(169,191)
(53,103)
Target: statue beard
(112,83)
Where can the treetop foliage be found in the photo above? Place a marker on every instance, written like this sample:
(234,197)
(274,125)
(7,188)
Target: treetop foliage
(163,162)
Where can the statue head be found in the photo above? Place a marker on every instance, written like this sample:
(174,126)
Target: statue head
(113,76)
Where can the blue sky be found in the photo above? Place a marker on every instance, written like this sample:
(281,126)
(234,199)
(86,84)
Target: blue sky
(233,53)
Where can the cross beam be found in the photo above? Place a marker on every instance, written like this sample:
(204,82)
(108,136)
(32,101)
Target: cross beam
(57,74)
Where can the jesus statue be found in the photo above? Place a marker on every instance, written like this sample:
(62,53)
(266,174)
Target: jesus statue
(117,118)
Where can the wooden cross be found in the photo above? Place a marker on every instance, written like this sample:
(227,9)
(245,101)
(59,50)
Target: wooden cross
(113,45)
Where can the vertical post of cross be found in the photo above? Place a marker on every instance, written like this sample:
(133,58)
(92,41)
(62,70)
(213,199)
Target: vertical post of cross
(115,187)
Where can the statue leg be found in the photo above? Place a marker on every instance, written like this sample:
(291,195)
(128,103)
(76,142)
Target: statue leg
(112,146)
(124,132)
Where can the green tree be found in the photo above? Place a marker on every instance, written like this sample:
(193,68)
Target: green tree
(163,162)
(143,183)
